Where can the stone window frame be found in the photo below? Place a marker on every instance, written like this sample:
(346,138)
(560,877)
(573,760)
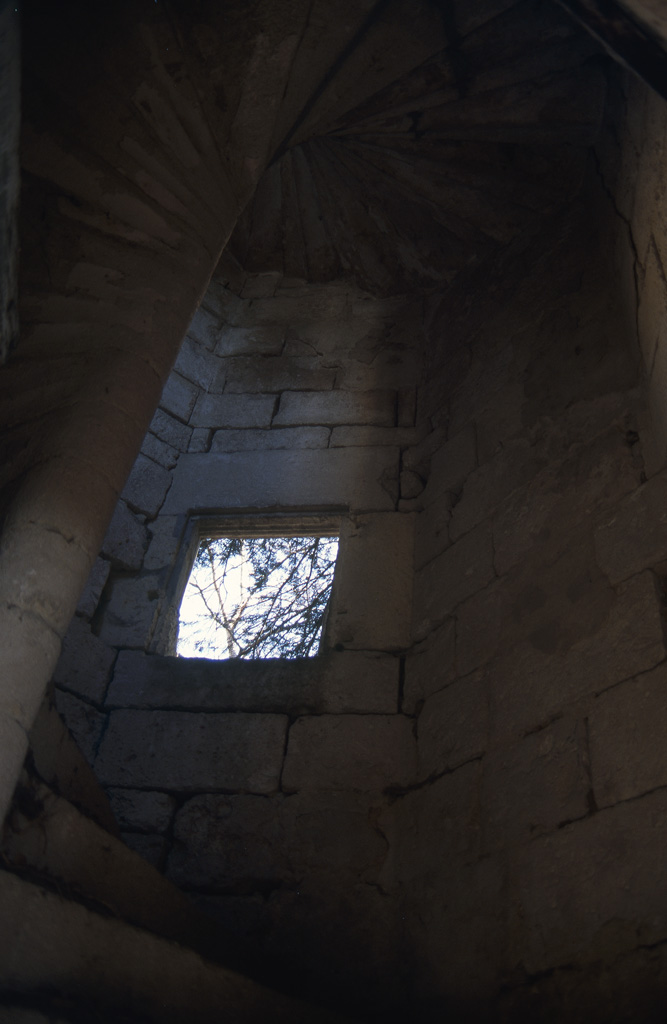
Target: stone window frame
(260,523)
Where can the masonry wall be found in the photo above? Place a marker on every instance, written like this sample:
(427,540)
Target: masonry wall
(531,847)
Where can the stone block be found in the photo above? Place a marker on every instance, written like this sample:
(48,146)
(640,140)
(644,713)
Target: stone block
(432,527)
(229,842)
(486,486)
(411,484)
(158,451)
(205,329)
(362,479)
(197,364)
(596,888)
(453,463)
(633,536)
(536,785)
(627,729)
(130,614)
(142,811)
(200,440)
(151,848)
(183,751)
(233,411)
(170,431)
(84,666)
(126,539)
(460,571)
(95,584)
(564,498)
(375,408)
(355,437)
(453,725)
(263,440)
(371,598)
(248,375)
(406,407)
(265,340)
(83,721)
(529,686)
(147,486)
(339,682)
(178,397)
(429,666)
(259,286)
(166,536)
(362,752)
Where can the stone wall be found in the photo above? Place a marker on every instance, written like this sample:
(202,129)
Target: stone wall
(530,848)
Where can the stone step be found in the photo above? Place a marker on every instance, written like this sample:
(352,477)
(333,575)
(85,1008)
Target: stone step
(110,970)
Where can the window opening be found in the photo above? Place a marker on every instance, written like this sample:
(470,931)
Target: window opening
(259,596)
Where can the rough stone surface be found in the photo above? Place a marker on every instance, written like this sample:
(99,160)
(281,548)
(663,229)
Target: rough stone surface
(338,682)
(92,591)
(627,726)
(130,614)
(634,536)
(233,411)
(179,397)
(429,666)
(126,539)
(363,478)
(147,486)
(83,721)
(371,596)
(362,752)
(453,725)
(85,662)
(536,785)
(200,440)
(159,451)
(166,534)
(170,431)
(261,440)
(529,686)
(142,811)
(260,340)
(335,407)
(184,751)
(448,579)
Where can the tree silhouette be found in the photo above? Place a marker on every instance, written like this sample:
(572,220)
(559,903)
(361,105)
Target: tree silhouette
(257,597)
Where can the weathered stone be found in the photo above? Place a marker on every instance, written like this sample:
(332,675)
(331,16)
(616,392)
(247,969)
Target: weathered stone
(429,666)
(147,486)
(595,888)
(126,539)
(229,842)
(199,365)
(453,463)
(363,752)
(333,407)
(166,537)
(90,598)
(257,340)
(159,451)
(460,571)
(627,728)
(432,528)
(248,375)
(529,686)
(200,440)
(453,725)
(353,437)
(82,720)
(262,440)
(178,397)
(233,411)
(342,681)
(129,616)
(563,497)
(183,751)
(536,785)
(406,407)
(634,535)
(411,484)
(170,431)
(371,595)
(362,479)
(85,662)
(142,811)
(258,286)
(150,848)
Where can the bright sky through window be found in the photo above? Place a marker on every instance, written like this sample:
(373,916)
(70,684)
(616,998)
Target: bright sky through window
(257,597)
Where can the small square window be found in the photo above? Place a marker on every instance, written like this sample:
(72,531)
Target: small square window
(258,595)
